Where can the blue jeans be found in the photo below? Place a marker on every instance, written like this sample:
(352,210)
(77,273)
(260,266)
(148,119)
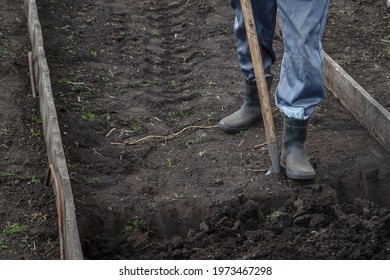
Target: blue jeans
(301,86)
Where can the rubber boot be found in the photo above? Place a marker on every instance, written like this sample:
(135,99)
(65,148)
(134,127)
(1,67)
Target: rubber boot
(293,158)
(249,112)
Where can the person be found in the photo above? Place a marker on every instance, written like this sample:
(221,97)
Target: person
(300,87)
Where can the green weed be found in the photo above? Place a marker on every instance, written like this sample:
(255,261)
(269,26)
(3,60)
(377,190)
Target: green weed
(36,120)
(93,54)
(211,118)
(145,84)
(178,114)
(72,37)
(3,245)
(206,94)
(3,51)
(35,133)
(226,31)
(13,229)
(7,174)
(93,181)
(273,216)
(73,81)
(154,34)
(211,84)
(129,228)
(34,181)
(135,127)
(197,139)
(174,83)
(72,167)
(204,7)
(87,115)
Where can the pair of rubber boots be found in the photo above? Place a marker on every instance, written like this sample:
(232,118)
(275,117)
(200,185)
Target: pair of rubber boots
(293,157)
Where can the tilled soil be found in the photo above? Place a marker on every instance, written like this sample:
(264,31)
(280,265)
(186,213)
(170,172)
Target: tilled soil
(28,217)
(125,70)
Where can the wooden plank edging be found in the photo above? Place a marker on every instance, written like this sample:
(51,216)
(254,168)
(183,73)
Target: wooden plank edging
(373,116)
(56,156)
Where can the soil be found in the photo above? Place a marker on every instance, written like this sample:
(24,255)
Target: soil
(28,217)
(125,70)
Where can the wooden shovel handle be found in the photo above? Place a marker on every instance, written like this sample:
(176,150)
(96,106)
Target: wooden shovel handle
(258,68)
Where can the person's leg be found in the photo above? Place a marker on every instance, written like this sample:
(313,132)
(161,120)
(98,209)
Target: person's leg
(264,12)
(301,87)
(265,17)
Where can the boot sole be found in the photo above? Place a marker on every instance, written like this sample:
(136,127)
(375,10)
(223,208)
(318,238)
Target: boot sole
(232,130)
(295,176)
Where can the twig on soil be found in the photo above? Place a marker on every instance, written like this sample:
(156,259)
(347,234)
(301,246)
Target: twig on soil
(258,170)
(112,74)
(96,152)
(112,97)
(111,131)
(167,137)
(261,145)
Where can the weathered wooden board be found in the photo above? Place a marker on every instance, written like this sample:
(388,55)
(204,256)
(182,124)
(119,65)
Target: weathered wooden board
(56,156)
(373,116)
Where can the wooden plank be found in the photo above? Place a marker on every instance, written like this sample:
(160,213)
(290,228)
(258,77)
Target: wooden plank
(56,156)
(373,116)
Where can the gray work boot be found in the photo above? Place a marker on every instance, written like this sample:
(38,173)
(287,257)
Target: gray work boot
(249,112)
(293,158)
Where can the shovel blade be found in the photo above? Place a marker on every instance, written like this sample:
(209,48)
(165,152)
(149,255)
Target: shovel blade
(275,159)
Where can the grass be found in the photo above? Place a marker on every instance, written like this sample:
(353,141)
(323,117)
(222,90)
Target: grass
(273,216)
(3,245)
(211,118)
(34,181)
(7,174)
(244,133)
(129,228)
(87,115)
(36,120)
(73,80)
(72,167)
(211,84)
(2,51)
(93,181)
(35,133)
(197,139)
(154,34)
(93,53)
(145,84)
(135,127)
(13,229)
(174,83)
(177,114)
(206,94)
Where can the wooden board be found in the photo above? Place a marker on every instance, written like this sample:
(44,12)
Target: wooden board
(373,116)
(55,152)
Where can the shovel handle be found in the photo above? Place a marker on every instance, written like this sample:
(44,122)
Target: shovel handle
(258,68)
